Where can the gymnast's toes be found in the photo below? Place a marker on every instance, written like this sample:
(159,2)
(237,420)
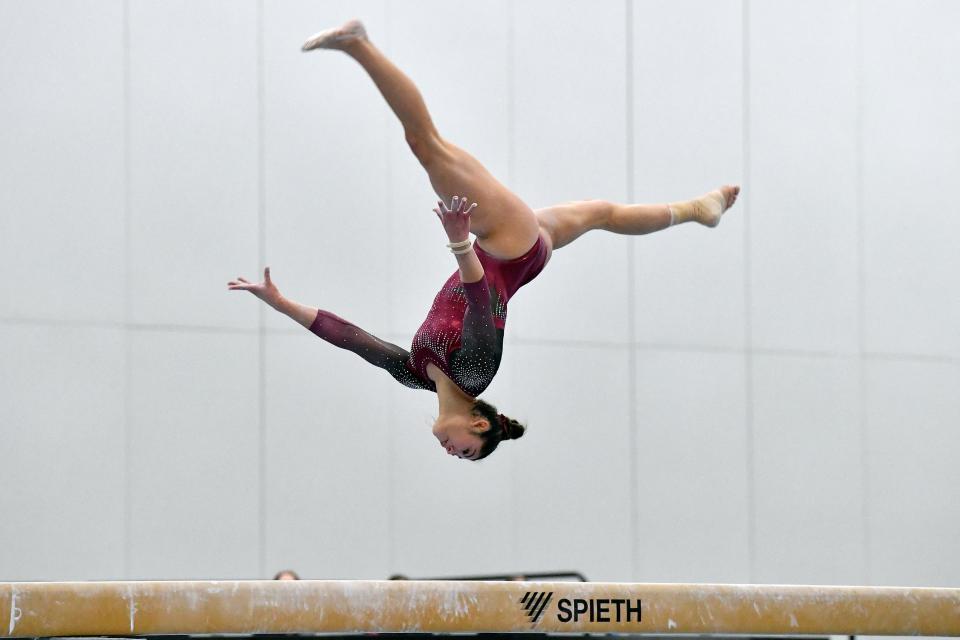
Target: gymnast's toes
(337,37)
(730,193)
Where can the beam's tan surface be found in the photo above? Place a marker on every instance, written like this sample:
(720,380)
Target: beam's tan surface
(245,607)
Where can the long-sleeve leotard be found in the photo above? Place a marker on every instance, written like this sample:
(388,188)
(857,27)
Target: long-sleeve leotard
(462,334)
(459,336)
(346,335)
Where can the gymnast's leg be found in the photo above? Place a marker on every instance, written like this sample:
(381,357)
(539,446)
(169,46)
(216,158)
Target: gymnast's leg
(565,223)
(504,225)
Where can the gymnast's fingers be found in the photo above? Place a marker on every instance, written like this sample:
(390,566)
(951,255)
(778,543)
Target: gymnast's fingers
(470,208)
(266,275)
(441,205)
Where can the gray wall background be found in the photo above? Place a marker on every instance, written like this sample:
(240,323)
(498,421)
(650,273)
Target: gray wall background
(775,400)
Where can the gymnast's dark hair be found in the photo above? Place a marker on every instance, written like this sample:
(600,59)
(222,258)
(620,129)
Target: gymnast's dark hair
(501,427)
(286,572)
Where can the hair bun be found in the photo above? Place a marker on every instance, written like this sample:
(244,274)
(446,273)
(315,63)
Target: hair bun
(511,428)
(504,426)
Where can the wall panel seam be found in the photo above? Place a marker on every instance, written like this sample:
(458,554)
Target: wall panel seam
(631,311)
(127,289)
(392,306)
(261,311)
(747,295)
(861,302)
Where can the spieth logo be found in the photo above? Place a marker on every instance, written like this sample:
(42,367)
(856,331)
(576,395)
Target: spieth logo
(575,610)
(535,603)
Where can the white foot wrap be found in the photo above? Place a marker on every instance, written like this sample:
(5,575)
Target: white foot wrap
(706,209)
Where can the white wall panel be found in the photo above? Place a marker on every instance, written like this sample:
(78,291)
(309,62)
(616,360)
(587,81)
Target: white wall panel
(808,471)
(325,166)
(913,414)
(456,53)
(569,143)
(61,423)
(61,160)
(194,461)
(691,467)
(193,160)
(687,113)
(327,460)
(803,172)
(911,159)
(572,482)
(852,148)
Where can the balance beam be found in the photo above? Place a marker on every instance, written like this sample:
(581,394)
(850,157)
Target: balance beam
(51,609)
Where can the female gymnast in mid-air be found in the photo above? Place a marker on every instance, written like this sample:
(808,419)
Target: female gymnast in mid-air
(457,349)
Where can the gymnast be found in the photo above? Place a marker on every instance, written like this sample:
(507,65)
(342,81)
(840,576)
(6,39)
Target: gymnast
(457,349)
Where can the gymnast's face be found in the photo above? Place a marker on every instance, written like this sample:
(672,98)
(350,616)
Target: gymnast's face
(460,435)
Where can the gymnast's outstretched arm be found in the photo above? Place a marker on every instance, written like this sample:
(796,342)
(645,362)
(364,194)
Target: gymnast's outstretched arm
(480,346)
(332,328)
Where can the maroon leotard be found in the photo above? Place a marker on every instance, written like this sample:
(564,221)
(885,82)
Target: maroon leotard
(462,334)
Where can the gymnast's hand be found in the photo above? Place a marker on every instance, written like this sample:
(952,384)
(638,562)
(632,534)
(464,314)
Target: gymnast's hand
(455,218)
(266,290)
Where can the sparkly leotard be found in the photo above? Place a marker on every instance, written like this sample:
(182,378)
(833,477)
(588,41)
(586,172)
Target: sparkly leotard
(462,334)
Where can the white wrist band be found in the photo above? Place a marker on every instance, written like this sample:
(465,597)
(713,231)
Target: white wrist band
(458,245)
(463,249)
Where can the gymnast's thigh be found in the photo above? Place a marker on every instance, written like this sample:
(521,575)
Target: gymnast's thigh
(504,224)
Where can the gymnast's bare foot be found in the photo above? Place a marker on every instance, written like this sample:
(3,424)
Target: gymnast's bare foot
(337,37)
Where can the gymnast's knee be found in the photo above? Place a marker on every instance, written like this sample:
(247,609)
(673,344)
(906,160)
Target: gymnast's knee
(426,146)
(597,213)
